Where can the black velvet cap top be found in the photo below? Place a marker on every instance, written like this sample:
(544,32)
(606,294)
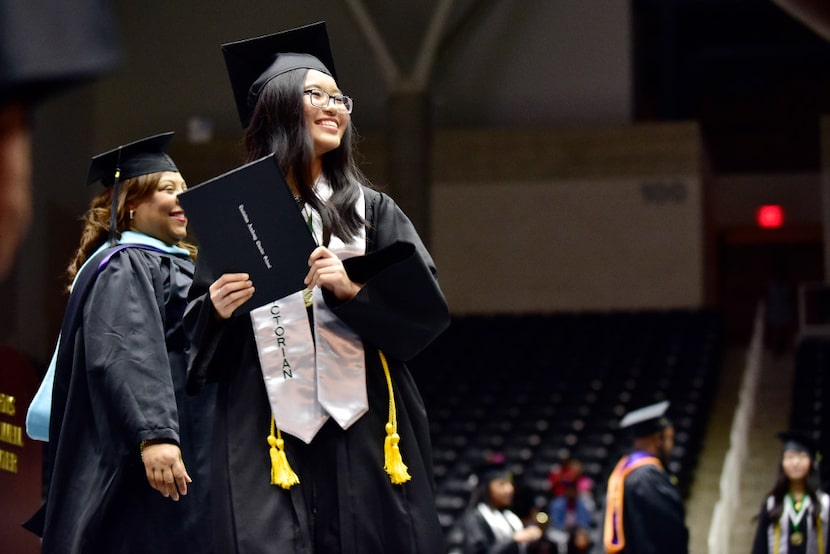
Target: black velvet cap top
(253,62)
(491,468)
(142,157)
(799,441)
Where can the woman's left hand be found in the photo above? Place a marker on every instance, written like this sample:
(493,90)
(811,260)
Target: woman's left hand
(327,272)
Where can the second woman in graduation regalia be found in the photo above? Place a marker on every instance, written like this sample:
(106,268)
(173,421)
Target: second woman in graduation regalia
(337,480)
(126,446)
(490,526)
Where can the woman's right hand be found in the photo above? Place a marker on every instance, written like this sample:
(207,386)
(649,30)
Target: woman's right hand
(230,291)
(530,533)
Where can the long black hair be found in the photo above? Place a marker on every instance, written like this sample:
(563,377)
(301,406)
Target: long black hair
(278,126)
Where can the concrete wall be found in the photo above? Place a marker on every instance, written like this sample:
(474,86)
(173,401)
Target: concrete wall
(582,219)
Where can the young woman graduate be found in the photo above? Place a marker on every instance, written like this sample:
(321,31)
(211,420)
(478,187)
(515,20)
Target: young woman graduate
(490,527)
(121,427)
(794,517)
(334,455)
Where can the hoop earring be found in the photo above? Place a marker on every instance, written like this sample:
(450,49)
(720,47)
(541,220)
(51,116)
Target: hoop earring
(132,214)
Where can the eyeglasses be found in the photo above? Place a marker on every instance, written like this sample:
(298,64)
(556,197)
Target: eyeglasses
(322,99)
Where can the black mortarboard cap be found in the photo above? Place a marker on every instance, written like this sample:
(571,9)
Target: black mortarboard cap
(646,420)
(253,62)
(144,156)
(493,467)
(800,441)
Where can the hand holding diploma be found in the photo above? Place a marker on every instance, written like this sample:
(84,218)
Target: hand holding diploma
(230,291)
(327,271)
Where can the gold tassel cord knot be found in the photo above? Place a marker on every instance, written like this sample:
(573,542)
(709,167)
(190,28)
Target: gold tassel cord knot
(281,473)
(393,461)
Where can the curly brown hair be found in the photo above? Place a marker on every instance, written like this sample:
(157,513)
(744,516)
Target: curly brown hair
(96,221)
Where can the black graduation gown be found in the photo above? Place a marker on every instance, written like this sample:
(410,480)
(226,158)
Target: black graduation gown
(345,501)
(653,514)
(46,46)
(479,537)
(120,379)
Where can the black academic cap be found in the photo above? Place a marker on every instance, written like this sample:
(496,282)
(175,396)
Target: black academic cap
(253,62)
(800,441)
(646,420)
(144,156)
(493,467)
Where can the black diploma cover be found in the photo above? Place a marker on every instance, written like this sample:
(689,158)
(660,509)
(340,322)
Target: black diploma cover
(247,221)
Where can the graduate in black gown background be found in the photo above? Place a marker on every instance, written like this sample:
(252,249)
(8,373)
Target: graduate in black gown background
(644,512)
(794,516)
(490,526)
(312,463)
(127,448)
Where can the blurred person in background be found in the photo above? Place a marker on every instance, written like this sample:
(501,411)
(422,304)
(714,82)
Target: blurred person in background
(490,527)
(644,512)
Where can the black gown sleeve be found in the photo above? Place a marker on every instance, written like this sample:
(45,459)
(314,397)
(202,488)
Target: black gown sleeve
(214,343)
(128,367)
(400,308)
(199,326)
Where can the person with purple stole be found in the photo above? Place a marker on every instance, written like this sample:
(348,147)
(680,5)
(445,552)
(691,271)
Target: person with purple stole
(644,511)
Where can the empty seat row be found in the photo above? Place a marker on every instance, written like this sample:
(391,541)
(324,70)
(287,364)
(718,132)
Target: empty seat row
(540,388)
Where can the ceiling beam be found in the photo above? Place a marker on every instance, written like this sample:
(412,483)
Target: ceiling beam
(815,14)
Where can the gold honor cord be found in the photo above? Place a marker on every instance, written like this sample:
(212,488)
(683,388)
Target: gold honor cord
(393,464)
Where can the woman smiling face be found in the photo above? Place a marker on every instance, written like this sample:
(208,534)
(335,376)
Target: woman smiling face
(796,464)
(326,126)
(159,214)
(501,493)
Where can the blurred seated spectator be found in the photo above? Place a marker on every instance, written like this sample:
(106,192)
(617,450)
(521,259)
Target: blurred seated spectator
(569,511)
(571,472)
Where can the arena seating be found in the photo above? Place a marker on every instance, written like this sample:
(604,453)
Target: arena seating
(544,388)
